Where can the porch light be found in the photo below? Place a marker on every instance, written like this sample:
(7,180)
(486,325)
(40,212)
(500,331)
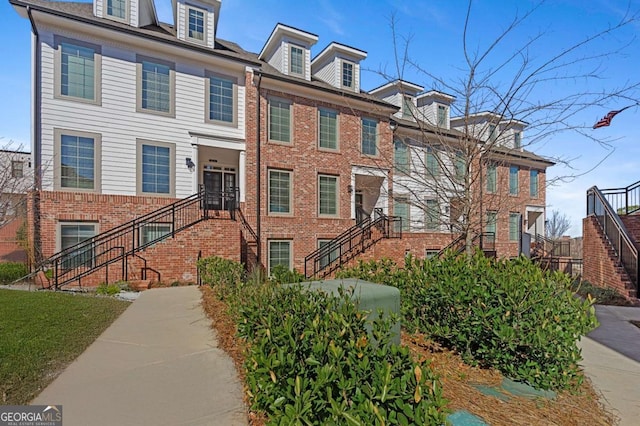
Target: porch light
(393,125)
(350,189)
(190,164)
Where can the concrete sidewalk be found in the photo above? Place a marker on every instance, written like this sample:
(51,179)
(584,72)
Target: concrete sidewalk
(611,359)
(157,364)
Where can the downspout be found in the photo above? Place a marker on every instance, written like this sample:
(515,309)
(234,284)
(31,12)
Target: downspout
(259,172)
(36,140)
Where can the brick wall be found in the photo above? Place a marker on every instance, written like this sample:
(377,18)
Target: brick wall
(632,223)
(600,266)
(10,250)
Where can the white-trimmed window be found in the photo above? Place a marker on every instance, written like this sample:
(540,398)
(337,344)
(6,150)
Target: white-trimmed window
(514,225)
(430,253)
(369,136)
(407,106)
(493,133)
(431,214)
(460,165)
(491,224)
(401,156)
(72,233)
(348,77)
(17,168)
(327,195)
(431,162)
(156,86)
(280,194)
(401,208)
(196,24)
(156,168)
(332,253)
(533,183)
(280,120)
(222,95)
(151,232)
(492,178)
(280,253)
(296,60)
(116,9)
(77,160)
(517,140)
(442,116)
(328,129)
(513,180)
(77,70)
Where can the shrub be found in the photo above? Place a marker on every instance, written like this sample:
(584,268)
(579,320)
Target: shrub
(500,313)
(11,271)
(108,289)
(219,271)
(311,361)
(280,274)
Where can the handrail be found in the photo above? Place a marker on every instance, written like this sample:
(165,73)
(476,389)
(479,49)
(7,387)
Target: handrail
(598,206)
(624,200)
(487,242)
(354,240)
(560,248)
(130,237)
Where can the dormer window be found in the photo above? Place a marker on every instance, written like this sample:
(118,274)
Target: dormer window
(492,133)
(117,9)
(407,106)
(196,24)
(347,75)
(517,140)
(442,116)
(296,60)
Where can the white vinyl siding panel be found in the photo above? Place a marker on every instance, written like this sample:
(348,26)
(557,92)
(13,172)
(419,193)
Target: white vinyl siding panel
(327,72)
(119,123)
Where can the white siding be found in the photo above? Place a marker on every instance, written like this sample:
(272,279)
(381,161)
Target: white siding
(119,123)
(146,13)
(327,72)
(277,59)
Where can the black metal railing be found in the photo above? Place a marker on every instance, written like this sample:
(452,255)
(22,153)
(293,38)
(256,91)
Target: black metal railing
(614,230)
(551,247)
(123,241)
(569,266)
(486,241)
(623,200)
(350,243)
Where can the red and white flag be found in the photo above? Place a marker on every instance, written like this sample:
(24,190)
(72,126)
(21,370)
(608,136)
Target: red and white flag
(606,120)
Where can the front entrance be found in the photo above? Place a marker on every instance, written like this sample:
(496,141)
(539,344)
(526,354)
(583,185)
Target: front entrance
(220,186)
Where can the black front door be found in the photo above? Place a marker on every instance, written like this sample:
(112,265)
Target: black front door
(213,190)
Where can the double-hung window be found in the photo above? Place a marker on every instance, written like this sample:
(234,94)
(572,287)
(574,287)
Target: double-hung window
(513,180)
(517,140)
(432,214)
(117,9)
(296,60)
(514,226)
(222,94)
(77,160)
(77,68)
(533,184)
(460,165)
(156,86)
(442,116)
(327,129)
(401,156)
(280,120)
(431,162)
(402,210)
(369,136)
(279,192)
(407,107)
(156,168)
(279,254)
(196,24)
(493,133)
(330,252)
(492,178)
(17,169)
(491,224)
(72,233)
(347,75)
(151,232)
(327,195)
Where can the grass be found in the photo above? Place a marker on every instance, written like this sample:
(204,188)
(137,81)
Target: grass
(42,332)
(602,295)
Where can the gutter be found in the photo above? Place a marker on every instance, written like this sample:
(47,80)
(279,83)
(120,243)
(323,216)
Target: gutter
(259,172)
(36,140)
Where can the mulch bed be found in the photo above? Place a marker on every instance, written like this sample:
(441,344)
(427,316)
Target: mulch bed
(580,407)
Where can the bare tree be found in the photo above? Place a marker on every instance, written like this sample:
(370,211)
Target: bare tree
(16,179)
(501,91)
(557,224)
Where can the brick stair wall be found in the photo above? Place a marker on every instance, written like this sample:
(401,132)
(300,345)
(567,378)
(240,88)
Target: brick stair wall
(601,267)
(632,223)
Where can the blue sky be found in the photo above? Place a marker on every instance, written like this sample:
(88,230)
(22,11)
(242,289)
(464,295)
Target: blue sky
(435,32)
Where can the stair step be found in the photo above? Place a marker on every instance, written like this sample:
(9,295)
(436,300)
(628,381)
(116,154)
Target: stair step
(140,285)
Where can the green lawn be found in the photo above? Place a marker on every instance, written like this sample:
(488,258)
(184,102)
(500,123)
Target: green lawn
(42,332)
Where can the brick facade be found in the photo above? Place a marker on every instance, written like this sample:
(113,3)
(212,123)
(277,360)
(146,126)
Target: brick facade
(600,266)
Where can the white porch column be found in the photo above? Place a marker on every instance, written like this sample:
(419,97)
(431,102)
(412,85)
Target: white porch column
(352,196)
(195,173)
(242,174)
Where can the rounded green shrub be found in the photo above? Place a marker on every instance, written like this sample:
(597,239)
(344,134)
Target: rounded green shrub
(11,271)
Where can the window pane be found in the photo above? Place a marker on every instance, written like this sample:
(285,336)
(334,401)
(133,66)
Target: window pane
(401,209)
(347,74)
(513,180)
(432,214)
(297,60)
(433,168)
(517,142)
(369,136)
(533,183)
(491,223)
(17,169)
(330,255)
(279,120)
(77,162)
(407,107)
(77,71)
(156,169)
(153,232)
(328,195)
(442,116)
(279,192)
(328,129)
(401,156)
(491,178)
(492,133)
(196,24)
(514,222)
(117,8)
(156,87)
(72,234)
(279,254)
(460,165)
(221,99)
